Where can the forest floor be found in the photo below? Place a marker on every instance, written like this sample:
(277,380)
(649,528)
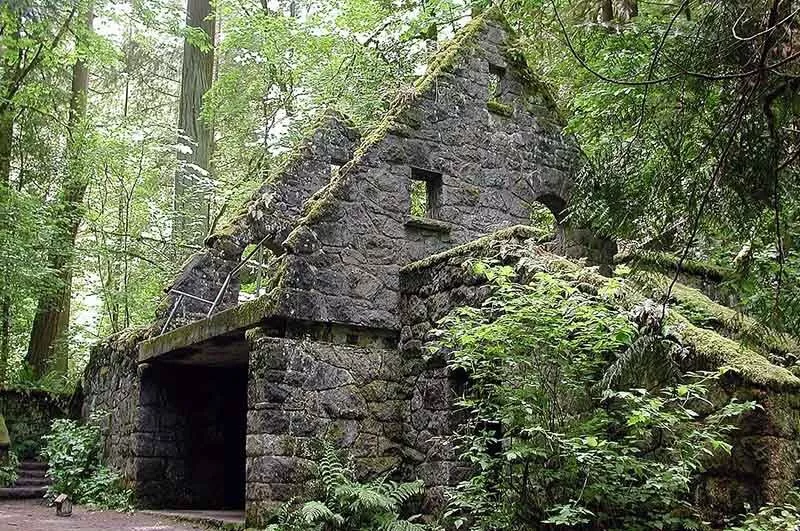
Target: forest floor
(32,515)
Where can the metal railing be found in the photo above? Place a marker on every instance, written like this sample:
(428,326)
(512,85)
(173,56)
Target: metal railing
(259,248)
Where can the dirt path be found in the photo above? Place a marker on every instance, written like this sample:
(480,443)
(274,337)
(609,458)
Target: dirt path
(31,515)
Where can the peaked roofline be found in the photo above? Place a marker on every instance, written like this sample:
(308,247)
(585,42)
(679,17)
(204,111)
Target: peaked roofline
(318,204)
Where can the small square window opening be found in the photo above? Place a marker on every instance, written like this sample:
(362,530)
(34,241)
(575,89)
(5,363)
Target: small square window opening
(426,193)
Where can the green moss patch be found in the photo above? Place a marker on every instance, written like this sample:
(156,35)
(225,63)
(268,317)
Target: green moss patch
(704,312)
(666,263)
(478,247)
(498,107)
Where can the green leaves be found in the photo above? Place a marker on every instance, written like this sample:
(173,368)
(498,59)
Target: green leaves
(349,504)
(551,444)
(74,453)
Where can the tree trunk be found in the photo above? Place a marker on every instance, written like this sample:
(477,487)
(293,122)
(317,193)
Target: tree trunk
(47,348)
(191,201)
(606,11)
(630,9)
(6,143)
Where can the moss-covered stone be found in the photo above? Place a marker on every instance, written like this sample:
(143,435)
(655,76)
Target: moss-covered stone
(498,107)
(478,247)
(701,311)
(666,262)
(711,348)
(5,439)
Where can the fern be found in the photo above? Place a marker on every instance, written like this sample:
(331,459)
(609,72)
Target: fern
(349,504)
(331,471)
(650,361)
(404,525)
(314,512)
(401,493)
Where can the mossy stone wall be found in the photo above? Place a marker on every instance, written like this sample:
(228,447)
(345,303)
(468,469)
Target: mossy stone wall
(28,414)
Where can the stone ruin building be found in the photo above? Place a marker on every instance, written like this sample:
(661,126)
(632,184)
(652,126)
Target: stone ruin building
(217,403)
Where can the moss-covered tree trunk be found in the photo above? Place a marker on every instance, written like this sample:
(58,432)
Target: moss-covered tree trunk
(47,348)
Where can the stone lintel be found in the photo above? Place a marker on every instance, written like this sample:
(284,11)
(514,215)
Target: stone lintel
(238,318)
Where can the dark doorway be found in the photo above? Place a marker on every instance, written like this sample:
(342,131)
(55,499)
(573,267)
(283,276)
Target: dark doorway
(198,425)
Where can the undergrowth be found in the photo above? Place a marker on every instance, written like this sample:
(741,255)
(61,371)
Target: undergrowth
(74,455)
(576,413)
(342,502)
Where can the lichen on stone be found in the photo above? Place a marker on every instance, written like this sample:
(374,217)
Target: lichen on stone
(498,107)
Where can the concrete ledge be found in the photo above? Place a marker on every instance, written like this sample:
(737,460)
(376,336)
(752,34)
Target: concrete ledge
(239,317)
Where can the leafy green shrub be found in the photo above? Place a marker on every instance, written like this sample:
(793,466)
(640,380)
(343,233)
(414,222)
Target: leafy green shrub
(344,503)
(550,444)
(8,469)
(782,517)
(73,452)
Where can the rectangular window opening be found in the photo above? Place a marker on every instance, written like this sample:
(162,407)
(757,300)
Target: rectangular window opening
(496,74)
(426,193)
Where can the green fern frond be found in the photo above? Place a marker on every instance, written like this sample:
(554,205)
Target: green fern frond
(403,525)
(364,498)
(402,492)
(332,472)
(649,360)
(315,512)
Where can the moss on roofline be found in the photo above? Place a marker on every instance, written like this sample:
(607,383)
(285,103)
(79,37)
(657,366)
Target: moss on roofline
(704,312)
(277,173)
(666,262)
(239,317)
(477,247)
(322,201)
(710,347)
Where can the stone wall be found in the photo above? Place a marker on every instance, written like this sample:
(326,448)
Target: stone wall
(301,391)
(344,258)
(28,415)
(269,216)
(764,464)
(111,396)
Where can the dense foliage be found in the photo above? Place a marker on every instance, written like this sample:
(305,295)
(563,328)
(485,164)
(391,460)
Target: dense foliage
(8,469)
(73,452)
(551,443)
(686,112)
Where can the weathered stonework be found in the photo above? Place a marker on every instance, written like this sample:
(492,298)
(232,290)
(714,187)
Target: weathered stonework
(224,411)
(28,415)
(301,391)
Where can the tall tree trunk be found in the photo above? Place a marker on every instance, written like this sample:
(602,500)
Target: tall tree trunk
(191,201)
(606,11)
(6,137)
(47,348)
(6,143)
